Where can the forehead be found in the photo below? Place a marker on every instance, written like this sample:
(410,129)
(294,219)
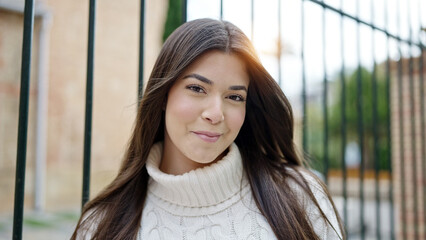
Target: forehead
(220,66)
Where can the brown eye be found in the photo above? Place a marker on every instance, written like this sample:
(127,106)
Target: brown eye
(196,88)
(237,98)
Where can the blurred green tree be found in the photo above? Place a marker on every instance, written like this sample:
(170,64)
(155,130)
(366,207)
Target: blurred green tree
(352,95)
(174,17)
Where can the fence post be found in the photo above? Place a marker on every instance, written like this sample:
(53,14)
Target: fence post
(89,103)
(23,119)
(343,119)
(141,48)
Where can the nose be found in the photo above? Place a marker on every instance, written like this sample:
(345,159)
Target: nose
(213,112)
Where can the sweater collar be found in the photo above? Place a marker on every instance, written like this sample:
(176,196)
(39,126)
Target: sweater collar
(201,187)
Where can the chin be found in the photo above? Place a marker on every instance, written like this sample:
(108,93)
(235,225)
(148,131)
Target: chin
(205,158)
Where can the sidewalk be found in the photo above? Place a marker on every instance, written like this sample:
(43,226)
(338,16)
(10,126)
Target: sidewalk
(41,226)
(60,225)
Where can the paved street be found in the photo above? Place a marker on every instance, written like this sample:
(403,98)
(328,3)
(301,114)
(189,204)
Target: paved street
(56,226)
(60,224)
(354,214)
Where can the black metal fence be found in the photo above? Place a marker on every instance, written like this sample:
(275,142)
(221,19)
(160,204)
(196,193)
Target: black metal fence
(344,115)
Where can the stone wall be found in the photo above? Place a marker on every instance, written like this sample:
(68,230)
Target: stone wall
(114,96)
(11,29)
(409,163)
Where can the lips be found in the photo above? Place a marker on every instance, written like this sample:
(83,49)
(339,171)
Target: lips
(210,137)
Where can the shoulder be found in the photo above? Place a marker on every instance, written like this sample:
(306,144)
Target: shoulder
(326,228)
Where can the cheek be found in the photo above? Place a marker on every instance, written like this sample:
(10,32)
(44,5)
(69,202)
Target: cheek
(181,109)
(236,119)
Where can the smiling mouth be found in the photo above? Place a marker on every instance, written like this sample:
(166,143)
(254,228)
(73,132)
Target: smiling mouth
(210,137)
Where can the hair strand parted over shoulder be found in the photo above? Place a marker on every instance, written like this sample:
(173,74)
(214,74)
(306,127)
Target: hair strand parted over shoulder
(265,141)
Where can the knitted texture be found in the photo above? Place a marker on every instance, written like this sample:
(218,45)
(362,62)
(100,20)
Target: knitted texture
(214,202)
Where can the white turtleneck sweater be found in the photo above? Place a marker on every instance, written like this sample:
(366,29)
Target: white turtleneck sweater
(214,202)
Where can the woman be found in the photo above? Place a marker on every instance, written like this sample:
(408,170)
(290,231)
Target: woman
(212,153)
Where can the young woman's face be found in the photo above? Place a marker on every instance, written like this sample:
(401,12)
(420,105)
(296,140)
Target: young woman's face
(205,110)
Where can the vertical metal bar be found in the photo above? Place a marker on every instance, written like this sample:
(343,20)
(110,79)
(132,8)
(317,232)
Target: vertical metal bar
(422,114)
(413,145)
(422,110)
(184,11)
(18,213)
(388,125)
(324,98)
(304,100)
(376,154)
(401,132)
(389,142)
(141,49)
(89,102)
(343,118)
(413,127)
(401,144)
(360,127)
(279,47)
(221,9)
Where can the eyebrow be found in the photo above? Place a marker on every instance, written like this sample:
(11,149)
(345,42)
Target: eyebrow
(210,82)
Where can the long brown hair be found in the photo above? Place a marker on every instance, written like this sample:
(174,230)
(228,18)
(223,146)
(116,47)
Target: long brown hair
(265,141)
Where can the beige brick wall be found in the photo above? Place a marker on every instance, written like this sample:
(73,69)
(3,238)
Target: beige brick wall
(11,29)
(410,164)
(114,97)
